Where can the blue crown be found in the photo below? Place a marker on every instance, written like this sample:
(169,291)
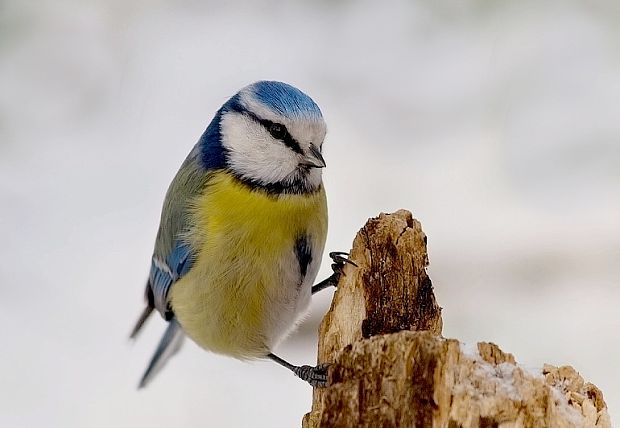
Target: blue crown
(284,99)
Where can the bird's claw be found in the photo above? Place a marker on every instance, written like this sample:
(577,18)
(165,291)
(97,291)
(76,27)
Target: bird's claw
(340,261)
(337,257)
(338,267)
(316,376)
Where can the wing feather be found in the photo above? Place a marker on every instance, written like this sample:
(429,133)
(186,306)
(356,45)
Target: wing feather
(173,255)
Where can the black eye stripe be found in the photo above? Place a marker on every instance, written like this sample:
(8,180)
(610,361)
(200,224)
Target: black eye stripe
(278,131)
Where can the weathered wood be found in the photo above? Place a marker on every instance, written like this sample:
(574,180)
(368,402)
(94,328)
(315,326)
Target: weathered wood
(391,367)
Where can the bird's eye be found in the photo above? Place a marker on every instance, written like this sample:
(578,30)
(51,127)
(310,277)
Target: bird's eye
(277,131)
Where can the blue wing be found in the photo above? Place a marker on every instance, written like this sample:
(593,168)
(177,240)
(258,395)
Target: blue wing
(172,258)
(166,272)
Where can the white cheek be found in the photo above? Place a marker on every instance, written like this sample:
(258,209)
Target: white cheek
(254,154)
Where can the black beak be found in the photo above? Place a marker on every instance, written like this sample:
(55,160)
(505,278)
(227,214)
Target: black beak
(314,159)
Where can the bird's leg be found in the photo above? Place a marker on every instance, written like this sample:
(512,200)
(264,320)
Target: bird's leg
(338,266)
(316,376)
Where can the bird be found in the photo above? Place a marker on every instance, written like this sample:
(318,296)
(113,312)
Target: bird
(242,232)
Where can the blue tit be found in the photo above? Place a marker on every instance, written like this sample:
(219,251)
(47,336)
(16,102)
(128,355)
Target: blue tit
(242,231)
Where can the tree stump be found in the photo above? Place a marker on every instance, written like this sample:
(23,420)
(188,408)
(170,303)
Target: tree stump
(390,367)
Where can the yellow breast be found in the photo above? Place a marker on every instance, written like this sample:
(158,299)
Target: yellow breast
(239,286)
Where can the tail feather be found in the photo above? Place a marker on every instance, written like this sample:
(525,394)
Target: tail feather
(143,317)
(169,345)
(150,305)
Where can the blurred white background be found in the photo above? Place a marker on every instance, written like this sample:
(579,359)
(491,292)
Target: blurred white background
(496,123)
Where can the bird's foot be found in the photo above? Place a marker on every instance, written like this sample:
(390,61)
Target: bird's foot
(316,376)
(339,259)
(339,262)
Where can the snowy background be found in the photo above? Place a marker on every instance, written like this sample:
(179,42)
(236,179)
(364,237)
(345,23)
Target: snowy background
(496,123)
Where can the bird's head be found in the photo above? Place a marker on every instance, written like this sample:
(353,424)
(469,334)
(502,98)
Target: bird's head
(268,135)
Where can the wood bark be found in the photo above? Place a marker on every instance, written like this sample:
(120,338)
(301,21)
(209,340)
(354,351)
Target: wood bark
(390,367)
